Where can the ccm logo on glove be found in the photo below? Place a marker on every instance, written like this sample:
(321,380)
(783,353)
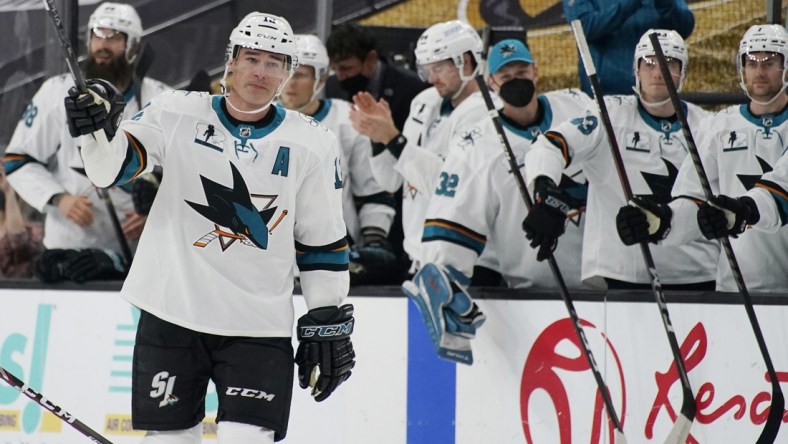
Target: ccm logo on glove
(327,331)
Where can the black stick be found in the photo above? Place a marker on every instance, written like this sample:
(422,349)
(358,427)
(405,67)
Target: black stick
(774,421)
(41,400)
(570,307)
(681,428)
(79,81)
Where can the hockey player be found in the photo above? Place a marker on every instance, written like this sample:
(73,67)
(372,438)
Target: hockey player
(652,148)
(42,159)
(742,150)
(368,209)
(448,55)
(480,206)
(248,189)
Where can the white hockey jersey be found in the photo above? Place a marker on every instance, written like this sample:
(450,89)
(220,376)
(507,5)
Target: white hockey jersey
(477,207)
(652,150)
(239,203)
(431,124)
(365,204)
(42,159)
(737,148)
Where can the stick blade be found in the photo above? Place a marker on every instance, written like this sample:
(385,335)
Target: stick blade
(619,437)
(680,431)
(775,419)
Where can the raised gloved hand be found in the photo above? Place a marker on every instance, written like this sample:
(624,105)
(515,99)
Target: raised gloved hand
(50,266)
(546,219)
(644,219)
(727,216)
(325,354)
(101,108)
(94,264)
(143,192)
(375,263)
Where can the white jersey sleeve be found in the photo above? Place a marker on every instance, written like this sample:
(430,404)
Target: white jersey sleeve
(771,195)
(366,204)
(43,159)
(35,142)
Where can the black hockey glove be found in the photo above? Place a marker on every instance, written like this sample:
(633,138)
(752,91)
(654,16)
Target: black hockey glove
(375,263)
(727,216)
(546,220)
(94,264)
(644,219)
(50,266)
(100,108)
(143,192)
(325,354)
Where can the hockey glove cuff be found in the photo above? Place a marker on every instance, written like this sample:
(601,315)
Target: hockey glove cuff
(727,216)
(546,220)
(325,354)
(95,264)
(375,263)
(143,192)
(101,108)
(644,219)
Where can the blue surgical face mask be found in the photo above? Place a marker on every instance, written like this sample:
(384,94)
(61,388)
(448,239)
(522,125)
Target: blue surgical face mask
(518,92)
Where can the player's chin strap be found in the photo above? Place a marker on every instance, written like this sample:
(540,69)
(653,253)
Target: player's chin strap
(319,85)
(647,103)
(465,80)
(768,102)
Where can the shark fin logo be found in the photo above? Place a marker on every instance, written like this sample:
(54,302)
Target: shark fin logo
(748,180)
(232,208)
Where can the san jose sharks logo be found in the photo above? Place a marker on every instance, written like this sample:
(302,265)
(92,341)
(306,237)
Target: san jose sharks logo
(234,215)
(748,180)
(661,184)
(507,50)
(469,137)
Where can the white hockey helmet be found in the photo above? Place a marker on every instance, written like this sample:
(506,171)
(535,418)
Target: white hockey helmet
(763,38)
(264,32)
(672,45)
(120,17)
(312,52)
(449,40)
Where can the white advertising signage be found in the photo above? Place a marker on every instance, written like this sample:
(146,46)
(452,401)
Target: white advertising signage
(529,382)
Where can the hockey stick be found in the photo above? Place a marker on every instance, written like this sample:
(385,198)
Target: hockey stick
(681,428)
(56,410)
(79,81)
(774,420)
(570,307)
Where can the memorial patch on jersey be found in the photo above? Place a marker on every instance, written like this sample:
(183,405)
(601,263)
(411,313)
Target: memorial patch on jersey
(733,141)
(233,214)
(208,136)
(637,142)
